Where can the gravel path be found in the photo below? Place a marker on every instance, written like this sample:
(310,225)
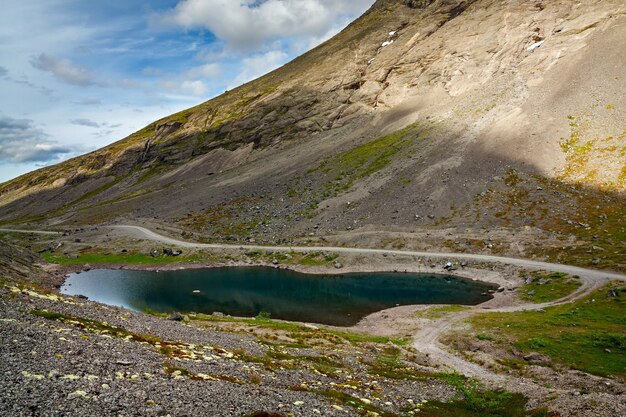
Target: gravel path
(427,339)
(53,367)
(142,232)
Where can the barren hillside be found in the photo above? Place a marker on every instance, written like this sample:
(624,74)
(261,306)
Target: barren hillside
(495,126)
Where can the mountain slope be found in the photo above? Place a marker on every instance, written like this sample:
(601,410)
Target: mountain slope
(503,122)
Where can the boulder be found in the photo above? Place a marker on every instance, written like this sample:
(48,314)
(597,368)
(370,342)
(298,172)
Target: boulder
(176,316)
(536,358)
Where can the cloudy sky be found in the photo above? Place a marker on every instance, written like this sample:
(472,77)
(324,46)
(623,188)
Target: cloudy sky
(76,75)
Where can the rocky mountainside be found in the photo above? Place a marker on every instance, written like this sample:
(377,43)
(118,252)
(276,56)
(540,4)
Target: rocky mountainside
(475,125)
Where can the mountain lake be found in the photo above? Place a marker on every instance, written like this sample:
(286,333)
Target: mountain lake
(340,300)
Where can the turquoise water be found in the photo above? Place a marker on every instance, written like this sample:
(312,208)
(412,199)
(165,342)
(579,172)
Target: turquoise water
(340,300)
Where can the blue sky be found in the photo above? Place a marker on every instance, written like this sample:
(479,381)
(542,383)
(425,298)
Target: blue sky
(76,75)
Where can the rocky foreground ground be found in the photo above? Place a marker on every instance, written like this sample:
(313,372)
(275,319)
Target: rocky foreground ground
(68,356)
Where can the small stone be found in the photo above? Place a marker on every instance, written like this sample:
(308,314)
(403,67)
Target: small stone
(77,394)
(537,358)
(175,317)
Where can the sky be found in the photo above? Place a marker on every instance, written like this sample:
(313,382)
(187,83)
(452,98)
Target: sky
(76,75)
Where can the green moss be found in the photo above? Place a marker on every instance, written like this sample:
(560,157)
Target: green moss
(145,133)
(373,156)
(389,364)
(587,335)
(303,333)
(556,285)
(118,259)
(360,162)
(478,401)
(354,338)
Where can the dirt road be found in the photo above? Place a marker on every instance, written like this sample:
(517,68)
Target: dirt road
(142,232)
(426,340)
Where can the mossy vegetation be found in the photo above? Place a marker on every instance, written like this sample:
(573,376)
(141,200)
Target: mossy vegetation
(390,364)
(587,157)
(591,222)
(588,335)
(367,159)
(97,258)
(545,287)
(300,333)
(479,402)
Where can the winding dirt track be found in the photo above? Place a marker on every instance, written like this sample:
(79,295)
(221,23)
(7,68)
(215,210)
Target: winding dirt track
(139,231)
(426,340)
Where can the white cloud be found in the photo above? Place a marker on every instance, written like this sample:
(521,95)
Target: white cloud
(64,70)
(88,102)
(21,141)
(85,122)
(103,44)
(247,24)
(257,65)
(207,70)
(194,87)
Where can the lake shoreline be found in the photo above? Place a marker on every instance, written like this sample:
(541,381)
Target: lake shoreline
(506,278)
(247,291)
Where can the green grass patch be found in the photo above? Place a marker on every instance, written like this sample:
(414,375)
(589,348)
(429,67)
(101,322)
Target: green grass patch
(302,333)
(389,364)
(354,337)
(549,287)
(588,335)
(362,161)
(478,401)
(121,258)
(441,311)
